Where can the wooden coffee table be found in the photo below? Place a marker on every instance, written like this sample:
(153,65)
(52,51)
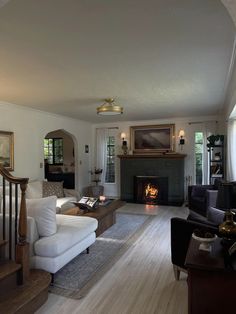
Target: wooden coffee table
(105,214)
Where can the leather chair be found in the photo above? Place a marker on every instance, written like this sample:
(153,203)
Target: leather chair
(181,233)
(182,229)
(197,196)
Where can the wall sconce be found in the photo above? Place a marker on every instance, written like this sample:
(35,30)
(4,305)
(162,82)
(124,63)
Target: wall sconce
(181,138)
(124,143)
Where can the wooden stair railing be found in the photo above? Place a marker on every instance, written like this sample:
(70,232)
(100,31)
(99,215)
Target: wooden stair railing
(21,252)
(22,290)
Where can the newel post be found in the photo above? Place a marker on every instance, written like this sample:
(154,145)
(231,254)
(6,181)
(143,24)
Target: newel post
(22,248)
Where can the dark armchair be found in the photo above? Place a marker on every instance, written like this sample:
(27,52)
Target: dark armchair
(181,232)
(181,229)
(197,198)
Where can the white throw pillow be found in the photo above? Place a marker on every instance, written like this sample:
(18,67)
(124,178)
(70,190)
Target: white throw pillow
(34,189)
(43,210)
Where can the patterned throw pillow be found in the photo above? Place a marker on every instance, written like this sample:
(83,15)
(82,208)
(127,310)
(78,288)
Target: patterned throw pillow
(53,188)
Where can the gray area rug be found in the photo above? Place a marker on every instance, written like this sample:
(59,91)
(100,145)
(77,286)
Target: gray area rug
(76,278)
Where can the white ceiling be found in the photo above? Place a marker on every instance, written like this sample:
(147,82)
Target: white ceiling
(158,58)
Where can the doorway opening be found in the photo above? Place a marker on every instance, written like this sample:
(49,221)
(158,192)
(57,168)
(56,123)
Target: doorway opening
(59,159)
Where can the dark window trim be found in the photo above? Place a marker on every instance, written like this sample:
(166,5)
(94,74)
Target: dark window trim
(53,150)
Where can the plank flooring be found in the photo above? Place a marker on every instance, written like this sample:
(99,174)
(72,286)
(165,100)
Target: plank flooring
(141,282)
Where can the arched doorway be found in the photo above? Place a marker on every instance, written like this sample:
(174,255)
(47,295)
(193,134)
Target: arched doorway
(59,159)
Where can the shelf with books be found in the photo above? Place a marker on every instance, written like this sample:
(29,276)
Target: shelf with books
(216,158)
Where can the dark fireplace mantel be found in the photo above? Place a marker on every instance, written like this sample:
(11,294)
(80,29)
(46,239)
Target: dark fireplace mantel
(161,155)
(170,165)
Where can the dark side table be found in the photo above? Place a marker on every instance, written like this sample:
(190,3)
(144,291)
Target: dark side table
(211,282)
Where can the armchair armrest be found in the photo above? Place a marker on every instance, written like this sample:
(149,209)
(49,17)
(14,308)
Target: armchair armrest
(211,197)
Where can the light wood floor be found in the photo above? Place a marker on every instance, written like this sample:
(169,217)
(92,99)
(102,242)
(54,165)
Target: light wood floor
(141,282)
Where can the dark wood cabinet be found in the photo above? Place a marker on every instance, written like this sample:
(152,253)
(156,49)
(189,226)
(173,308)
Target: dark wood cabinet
(211,282)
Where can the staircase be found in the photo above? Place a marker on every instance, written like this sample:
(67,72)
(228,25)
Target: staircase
(22,290)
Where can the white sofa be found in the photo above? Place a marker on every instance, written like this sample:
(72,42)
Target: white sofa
(74,235)
(65,197)
(55,239)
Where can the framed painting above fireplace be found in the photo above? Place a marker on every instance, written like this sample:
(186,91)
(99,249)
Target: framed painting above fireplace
(148,139)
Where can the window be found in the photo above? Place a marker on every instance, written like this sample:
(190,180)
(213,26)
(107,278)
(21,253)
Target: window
(231,149)
(110,160)
(199,157)
(53,150)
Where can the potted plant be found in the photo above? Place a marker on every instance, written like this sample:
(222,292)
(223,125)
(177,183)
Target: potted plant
(96,173)
(96,190)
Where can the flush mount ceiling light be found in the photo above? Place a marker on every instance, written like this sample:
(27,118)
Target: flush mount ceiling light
(109,108)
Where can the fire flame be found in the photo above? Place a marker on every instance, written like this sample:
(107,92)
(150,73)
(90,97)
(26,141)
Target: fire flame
(151,191)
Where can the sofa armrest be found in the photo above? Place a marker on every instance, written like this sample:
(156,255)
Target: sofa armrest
(71,192)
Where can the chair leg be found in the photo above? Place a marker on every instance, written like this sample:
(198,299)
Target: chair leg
(87,250)
(52,279)
(176,272)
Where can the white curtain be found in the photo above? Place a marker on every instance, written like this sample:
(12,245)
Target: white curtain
(231,151)
(210,127)
(101,152)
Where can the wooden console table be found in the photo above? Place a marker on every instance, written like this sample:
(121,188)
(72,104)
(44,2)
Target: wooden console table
(211,284)
(105,215)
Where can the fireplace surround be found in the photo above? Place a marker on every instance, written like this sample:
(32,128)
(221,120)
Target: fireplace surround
(170,166)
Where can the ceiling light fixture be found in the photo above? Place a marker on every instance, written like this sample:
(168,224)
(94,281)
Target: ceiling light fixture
(109,108)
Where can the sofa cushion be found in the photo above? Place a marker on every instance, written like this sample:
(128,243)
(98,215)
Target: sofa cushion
(43,210)
(215,215)
(53,188)
(70,231)
(65,203)
(195,217)
(34,189)
(62,201)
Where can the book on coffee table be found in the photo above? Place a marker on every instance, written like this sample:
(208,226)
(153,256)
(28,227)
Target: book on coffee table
(87,202)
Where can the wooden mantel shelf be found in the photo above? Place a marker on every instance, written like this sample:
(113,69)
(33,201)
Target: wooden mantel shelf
(161,155)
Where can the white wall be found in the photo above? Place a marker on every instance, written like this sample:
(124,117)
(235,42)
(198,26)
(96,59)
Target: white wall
(30,128)
(189,125)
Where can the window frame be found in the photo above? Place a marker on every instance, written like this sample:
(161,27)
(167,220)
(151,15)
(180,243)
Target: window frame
(53,155)
(110,147)
(195,157)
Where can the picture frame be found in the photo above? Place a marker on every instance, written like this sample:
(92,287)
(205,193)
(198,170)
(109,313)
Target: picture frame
(152,139)
(7,150)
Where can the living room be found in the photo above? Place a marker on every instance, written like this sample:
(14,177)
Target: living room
(41,92)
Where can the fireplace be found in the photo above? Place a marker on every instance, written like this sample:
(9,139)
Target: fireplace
(151,190)
(170,166)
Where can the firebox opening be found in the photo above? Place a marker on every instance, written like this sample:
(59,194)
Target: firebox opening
(151,190)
